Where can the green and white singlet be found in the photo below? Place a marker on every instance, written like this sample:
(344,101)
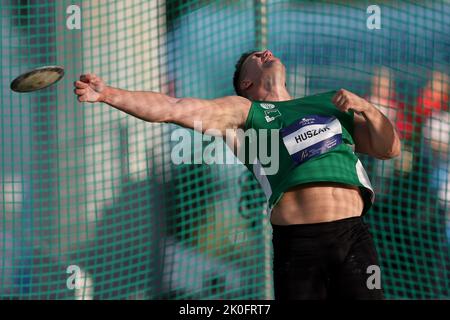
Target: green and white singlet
(315,145)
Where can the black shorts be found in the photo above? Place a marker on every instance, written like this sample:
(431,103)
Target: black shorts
(324,261)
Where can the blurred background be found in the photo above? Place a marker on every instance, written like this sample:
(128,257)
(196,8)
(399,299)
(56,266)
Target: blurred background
(88,186)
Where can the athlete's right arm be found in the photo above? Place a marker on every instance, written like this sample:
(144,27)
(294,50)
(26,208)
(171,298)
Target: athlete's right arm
(219,114)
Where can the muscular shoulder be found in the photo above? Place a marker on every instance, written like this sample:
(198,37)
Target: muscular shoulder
(237,106)
(234,101)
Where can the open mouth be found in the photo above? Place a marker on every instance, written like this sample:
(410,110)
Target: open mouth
(269,59)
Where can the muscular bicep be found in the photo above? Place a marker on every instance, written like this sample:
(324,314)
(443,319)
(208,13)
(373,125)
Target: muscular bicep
(216,115)
(376,136)
(361,136)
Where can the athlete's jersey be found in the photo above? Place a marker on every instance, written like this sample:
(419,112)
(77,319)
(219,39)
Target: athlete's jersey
(315,145)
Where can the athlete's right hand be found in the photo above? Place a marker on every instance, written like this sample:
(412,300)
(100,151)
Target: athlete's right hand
(90,88)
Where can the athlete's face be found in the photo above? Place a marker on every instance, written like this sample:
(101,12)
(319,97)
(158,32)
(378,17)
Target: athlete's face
(259,63)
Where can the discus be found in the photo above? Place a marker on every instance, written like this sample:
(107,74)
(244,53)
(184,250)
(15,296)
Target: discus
(37,79)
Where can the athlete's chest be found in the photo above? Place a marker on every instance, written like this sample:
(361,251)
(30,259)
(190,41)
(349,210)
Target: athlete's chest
(279,116)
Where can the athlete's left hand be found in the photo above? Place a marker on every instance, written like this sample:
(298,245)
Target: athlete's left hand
(345,101)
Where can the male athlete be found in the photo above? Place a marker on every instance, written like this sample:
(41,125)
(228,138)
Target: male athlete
(322,248)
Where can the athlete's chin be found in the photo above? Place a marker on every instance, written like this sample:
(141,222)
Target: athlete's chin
(274,66)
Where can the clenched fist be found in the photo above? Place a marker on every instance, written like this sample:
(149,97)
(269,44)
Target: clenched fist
(90,88)
(345,101)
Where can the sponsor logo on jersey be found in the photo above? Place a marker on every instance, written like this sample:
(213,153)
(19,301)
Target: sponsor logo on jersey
(306,121)
(267,106)
(270,115)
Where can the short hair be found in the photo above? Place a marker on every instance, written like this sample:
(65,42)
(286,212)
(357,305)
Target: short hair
(237,70)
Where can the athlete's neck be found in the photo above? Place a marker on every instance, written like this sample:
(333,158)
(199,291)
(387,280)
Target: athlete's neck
(278,93)
(270,87)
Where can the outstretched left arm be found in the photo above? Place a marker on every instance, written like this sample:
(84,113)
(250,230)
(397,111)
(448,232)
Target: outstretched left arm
(374,134)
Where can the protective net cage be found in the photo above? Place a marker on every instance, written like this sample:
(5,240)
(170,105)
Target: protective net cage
(92,204)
